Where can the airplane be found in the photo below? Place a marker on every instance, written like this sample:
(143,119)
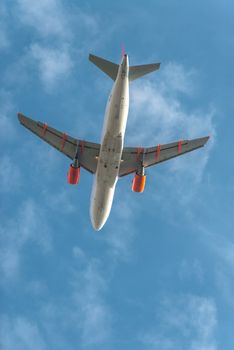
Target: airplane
(110,160)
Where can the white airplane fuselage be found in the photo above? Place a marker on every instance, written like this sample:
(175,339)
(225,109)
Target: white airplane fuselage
(111,148)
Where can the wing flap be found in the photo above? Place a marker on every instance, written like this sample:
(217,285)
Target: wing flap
(88,151)
(157,154)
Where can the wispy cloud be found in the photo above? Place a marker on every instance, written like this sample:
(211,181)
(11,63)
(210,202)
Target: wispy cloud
(175,78)
(7,128)
(53,64)
(50,52)
(51,19)
(52,49)
(28,225)
(83,310)
(222,248)
(92,313)
(191,270)
(120,237)
(224,283)
(184,322)
(47,17)
(10,175)
(21,334)
(79,310)
(225,249)
(165,117)
(60,202)
(221,242)
(158,115)
(4,39)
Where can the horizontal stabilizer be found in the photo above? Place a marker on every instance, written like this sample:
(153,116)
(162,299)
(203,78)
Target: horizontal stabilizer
(138,71)
(107,67)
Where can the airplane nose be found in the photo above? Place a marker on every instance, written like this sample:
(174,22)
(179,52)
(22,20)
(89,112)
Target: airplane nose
(97,220)
(101,202)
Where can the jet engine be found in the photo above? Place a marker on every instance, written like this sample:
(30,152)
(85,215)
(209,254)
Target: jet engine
(73,175)
(138,183)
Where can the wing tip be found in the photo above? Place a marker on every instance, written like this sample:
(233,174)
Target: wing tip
(206,138)
(20,116)
(202,140)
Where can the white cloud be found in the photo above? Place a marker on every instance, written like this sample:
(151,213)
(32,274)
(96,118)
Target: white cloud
(28,225)
(88,21)
(47,17)
(6,127)
(53,64)
(224,283)
(92,314)
(52,50)
(221,244)
(120,237)
(52,19)
(60,202)
(48,159)
(36,288)
(21,334)
(158,116)
(4,39)
(79,254)
(7,113)
(224,248)
(10,175)
(175,78)
(187,322)
(84,310)
(191,270)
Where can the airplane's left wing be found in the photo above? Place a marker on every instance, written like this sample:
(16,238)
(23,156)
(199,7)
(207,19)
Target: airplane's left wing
(88,151)
(133,157)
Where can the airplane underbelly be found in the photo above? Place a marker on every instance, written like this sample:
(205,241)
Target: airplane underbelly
(117,118)
(101,203)
(110,154)
(105,179)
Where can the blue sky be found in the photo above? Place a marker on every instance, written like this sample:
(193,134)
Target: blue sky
(160,274)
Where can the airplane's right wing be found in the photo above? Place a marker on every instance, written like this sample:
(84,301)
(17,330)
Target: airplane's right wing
(88,151)
(132,157)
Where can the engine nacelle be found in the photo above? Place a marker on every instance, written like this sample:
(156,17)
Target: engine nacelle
(138,183)
(73,175)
